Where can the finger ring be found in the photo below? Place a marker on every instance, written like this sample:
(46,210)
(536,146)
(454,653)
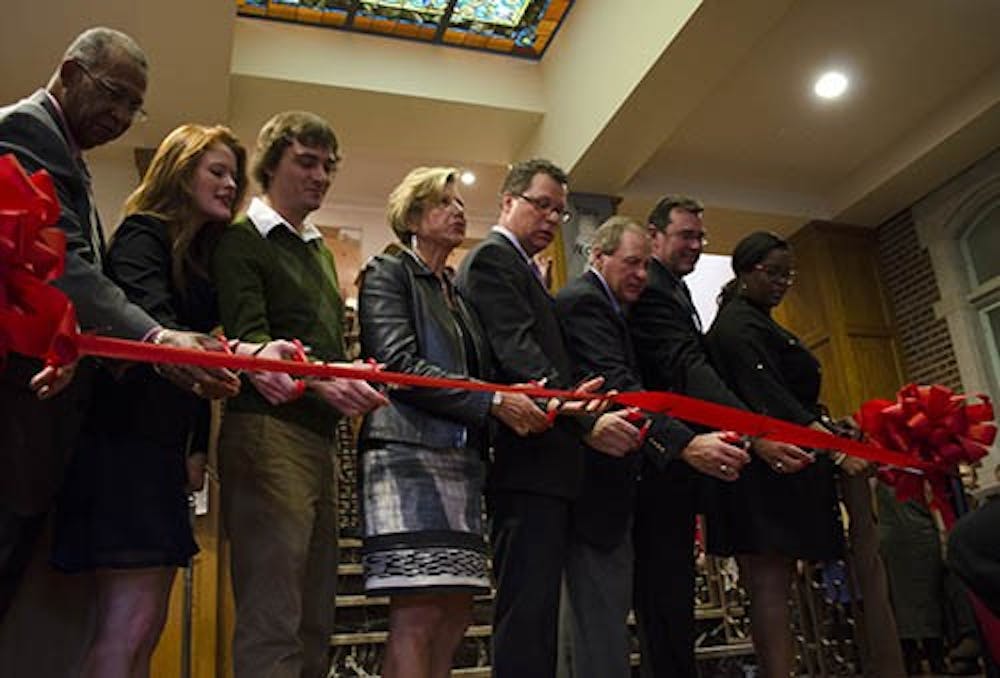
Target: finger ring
(724,469)
(778,466)
(196,388)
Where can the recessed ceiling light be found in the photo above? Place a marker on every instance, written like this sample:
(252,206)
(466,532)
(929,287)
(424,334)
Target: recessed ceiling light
(830,85)
(467,178)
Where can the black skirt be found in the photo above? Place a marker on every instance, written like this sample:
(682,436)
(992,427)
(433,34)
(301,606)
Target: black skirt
(124,505)
(766,512)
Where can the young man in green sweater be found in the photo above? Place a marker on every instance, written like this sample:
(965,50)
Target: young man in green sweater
(277,280)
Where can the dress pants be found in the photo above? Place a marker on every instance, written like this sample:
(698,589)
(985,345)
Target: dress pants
(18,535)
(881,653)
(664,571)
(36,442)
(279,509)
(530,536)
(593,615)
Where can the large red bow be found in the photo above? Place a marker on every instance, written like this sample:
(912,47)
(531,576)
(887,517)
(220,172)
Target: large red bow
(935,425)
(35,318)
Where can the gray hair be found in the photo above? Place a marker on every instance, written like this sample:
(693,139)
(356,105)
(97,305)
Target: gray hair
(95,45)
(608,237)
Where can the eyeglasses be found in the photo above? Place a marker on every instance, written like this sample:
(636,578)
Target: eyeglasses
(778,275)
(117,95)
(547,208)
(689,235)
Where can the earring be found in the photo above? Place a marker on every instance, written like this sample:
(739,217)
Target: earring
(743,286)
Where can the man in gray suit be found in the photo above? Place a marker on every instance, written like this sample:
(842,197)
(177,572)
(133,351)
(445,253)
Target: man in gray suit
(92,98)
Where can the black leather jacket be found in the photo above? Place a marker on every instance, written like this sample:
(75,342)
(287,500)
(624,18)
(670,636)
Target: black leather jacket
(407,325)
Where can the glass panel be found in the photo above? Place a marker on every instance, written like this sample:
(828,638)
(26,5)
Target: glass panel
(992,318)
(403,18)
(517,27)
(315,5)
(510,26)
(982,246)
(498,12)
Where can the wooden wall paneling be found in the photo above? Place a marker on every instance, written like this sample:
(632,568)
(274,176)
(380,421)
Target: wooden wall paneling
(833,391)
(876,362)
(839,309)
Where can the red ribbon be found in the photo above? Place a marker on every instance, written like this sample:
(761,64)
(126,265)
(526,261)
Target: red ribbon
(933,425)
(37,319)
(683,407)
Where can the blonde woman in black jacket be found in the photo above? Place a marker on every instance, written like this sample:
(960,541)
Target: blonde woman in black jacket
(422,456)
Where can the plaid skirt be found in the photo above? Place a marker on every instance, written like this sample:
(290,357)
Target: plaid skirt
(423,520)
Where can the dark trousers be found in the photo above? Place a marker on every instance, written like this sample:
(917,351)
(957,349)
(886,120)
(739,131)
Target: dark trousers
(36,439)
(530,534)
(18,535)
(664,571)
(593,617)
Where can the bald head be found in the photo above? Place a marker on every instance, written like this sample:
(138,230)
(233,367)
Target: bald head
(95,45)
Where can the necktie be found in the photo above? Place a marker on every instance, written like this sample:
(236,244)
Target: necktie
(537,269)
(96,237)
(695,318)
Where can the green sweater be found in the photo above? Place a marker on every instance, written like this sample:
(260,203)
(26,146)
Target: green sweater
(280,287)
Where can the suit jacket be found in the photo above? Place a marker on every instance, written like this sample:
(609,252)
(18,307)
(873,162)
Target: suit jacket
(671,347)
(35,437)
(32,130)
(518,316)
(598,341)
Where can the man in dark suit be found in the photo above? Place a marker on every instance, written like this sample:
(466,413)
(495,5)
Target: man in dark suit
(592,311)
(532,481)
(670,347)
(91,99)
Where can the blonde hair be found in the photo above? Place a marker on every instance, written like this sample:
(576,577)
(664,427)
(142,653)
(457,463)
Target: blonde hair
(165,193)
(422,187)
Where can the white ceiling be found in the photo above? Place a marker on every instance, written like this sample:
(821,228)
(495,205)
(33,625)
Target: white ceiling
(711,98)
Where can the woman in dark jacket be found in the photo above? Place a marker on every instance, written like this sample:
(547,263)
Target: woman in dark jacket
(422,457)
(123,511)
(774,514)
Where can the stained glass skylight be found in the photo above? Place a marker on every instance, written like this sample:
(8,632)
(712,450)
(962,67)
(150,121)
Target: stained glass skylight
(521,28)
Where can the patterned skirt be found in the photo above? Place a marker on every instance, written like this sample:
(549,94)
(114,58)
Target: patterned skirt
(423,520)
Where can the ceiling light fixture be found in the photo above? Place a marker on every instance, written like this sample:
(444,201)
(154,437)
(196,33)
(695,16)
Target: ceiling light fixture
(830,85)
(467,178)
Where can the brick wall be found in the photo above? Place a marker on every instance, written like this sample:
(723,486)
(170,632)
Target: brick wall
(928,356)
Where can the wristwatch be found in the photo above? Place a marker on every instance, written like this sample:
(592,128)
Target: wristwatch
(497,399)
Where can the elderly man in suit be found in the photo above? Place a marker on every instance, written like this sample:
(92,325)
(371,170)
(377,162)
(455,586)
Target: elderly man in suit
(92,98)
(532,480)
(592,310)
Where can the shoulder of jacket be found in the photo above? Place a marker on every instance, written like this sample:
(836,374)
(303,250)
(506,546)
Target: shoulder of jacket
(145,224)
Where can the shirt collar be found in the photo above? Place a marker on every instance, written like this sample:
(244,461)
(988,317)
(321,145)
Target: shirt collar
(607,290)
(74,147)
(506,232)
(266,219)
